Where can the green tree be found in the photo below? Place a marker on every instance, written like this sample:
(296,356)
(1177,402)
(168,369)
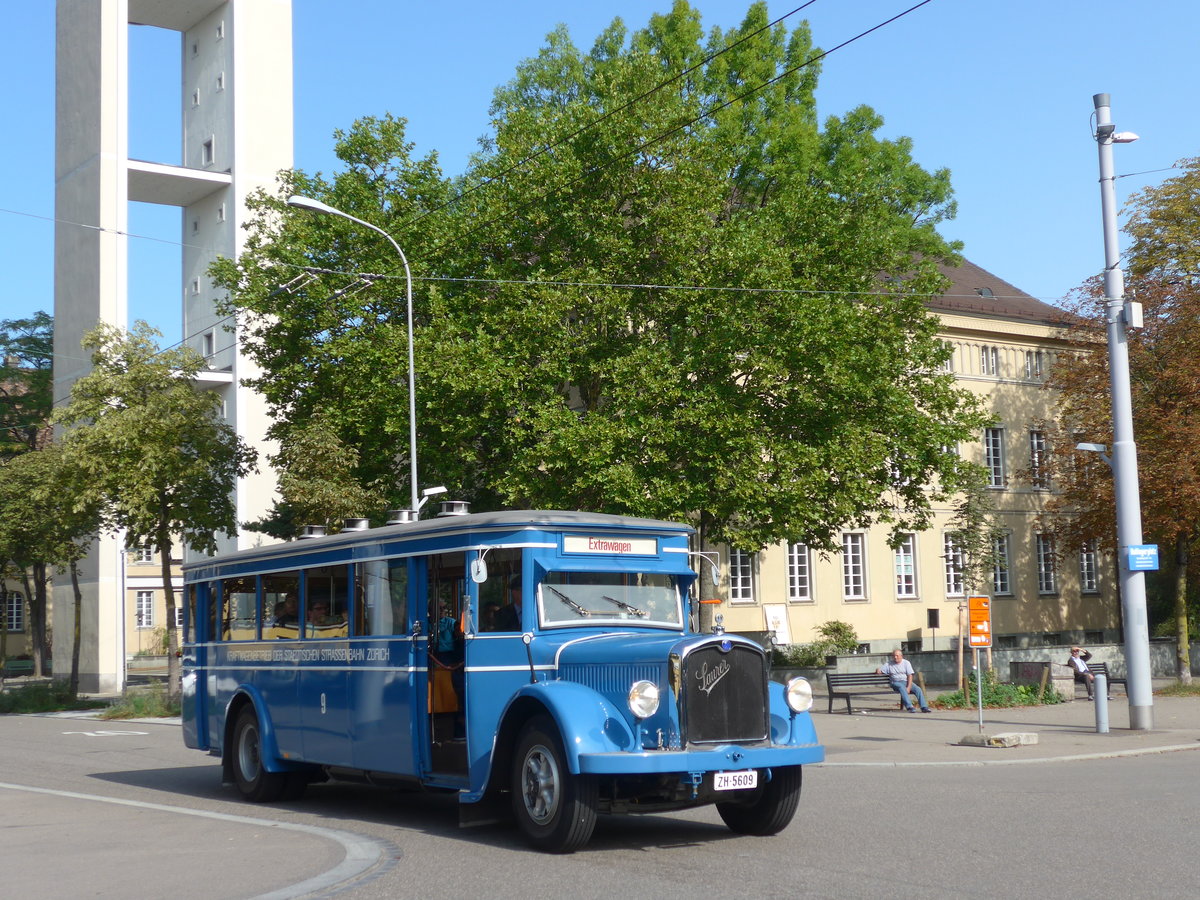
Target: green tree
(317,483)
(153,446)
(26,352)
(1163,265)
(686,302)
(59,514)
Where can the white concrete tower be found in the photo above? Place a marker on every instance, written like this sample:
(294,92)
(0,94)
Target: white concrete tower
(236,98)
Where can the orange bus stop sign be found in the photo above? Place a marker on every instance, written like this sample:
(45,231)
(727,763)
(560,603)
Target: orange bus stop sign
(979,614)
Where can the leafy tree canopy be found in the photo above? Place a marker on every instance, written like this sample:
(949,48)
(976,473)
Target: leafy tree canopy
(1164,275)
(661,288)
(26,382)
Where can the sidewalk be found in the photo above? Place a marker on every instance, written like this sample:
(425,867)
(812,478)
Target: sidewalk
(879,733)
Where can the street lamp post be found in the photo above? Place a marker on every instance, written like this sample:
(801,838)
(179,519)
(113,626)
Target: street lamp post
(317,206)
(1124,450)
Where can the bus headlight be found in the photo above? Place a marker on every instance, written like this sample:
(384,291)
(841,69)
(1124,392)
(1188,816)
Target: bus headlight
(799,695)
(643,699)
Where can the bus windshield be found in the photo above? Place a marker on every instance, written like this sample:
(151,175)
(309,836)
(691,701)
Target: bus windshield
(589,598)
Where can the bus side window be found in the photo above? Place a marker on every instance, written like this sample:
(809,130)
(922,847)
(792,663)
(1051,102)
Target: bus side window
(281,606)
(240,598)
(496,610)
(326,600)
(381,597)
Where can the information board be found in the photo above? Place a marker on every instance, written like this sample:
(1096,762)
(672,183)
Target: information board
(979,617)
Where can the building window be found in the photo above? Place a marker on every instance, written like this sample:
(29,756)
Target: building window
(1047,576)
(799,574)
(220,29)
(952,554)
(854,568)
(1006,642)
(206,152)
(196,97)
(989,360)
(220,81)
(948,365)
(1034,362)
(221,213)
(906,567)
(1038,475)
(993,456)
(1088,582)
(1001,577)
(741,577)
(145,609)
(178,616)
(143,554)
(13,604)
(209,343)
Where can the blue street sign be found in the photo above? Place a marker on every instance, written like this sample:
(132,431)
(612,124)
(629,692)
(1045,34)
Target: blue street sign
(1141,558)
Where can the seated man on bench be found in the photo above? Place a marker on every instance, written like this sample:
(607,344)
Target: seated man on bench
(900,672)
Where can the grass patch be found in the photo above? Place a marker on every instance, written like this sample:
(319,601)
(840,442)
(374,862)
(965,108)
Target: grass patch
(45,696)
(143,704)
(1179,689)
(997,694)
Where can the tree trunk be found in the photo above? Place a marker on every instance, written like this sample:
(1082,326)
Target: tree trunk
(36,598)
(3,626)
(163,541)
(77,625)
(1183,657)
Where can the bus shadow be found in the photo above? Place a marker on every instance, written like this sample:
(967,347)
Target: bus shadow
(342,804)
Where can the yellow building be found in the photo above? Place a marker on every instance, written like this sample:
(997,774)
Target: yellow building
(1004,343)
(146,602)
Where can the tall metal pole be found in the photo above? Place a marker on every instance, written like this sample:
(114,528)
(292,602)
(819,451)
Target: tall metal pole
(1124,451)
(308,203)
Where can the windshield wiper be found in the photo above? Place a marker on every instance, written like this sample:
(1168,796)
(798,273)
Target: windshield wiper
(632,610)
(568,601)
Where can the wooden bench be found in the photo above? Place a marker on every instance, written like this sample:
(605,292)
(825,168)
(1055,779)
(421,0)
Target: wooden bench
(15,668)
(1100,668)
(849,684)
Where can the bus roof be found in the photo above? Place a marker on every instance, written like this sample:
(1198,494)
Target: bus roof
(448,525)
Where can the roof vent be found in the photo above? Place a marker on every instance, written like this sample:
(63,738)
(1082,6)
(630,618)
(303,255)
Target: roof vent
(400,516)
(454,508)
(355,524)
(985,292)
(312,531)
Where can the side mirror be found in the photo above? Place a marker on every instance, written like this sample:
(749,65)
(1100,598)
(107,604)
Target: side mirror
(715,574)
(479,572)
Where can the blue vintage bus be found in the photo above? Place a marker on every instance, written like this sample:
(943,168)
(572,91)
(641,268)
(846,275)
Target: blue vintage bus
(541,664)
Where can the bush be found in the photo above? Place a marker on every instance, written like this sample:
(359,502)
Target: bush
(142,704)
(46,696)
(997,693)
(834,639)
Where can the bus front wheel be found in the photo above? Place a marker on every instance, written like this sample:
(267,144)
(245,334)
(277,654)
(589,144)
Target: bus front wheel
(253,781)
(770,806)
(555,809)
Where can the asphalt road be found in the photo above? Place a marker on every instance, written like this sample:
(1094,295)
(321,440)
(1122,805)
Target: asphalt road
(94,809)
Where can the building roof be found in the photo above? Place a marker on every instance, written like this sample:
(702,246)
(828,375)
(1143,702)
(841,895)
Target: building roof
(975,290)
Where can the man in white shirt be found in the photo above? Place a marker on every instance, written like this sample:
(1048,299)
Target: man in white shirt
(1078,665)
(900,672)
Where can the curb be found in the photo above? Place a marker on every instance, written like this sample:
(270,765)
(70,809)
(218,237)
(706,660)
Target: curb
(1112,754)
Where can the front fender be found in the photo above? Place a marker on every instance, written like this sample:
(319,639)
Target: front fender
(587,722)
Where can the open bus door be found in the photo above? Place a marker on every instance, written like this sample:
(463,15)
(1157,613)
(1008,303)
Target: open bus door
(444,698)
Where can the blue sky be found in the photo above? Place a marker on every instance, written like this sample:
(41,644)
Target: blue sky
(1000,93)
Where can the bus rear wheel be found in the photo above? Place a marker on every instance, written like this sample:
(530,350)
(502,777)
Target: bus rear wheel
(253,781)
(770,807)
(555,809)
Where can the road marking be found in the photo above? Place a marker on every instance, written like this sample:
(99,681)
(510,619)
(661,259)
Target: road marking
(363,854)
(105,733)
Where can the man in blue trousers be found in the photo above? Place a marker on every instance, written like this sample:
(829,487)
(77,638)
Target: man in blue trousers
(900,672)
